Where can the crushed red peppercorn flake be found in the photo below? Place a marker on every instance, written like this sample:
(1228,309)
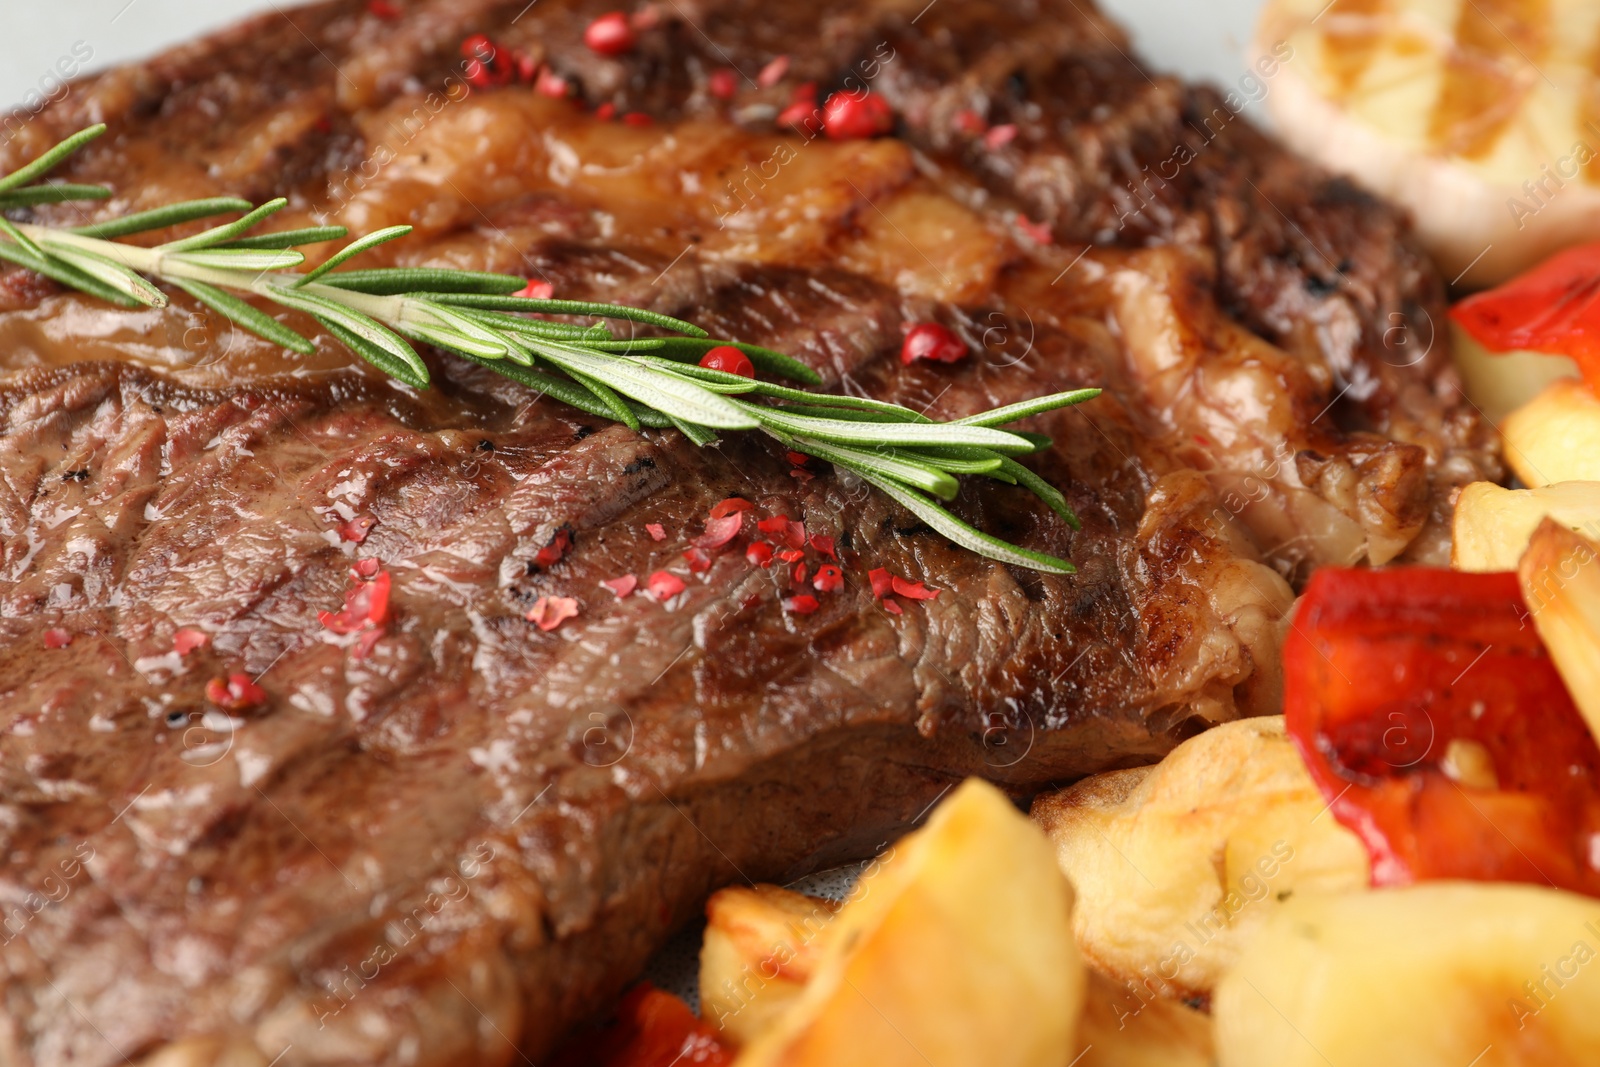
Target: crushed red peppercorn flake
(610,35)
(356,529)
(882,581)
(1000,136)
(363,646)
(720,531)
(551,554)
(698,559)
(1037,232)
(912,590)
(549,83)
(622,585)
(367,568)
(732,505)
(188,639)
(56,637)
(648,17)
(637,119)
(801,115)
(723,83)
(548,612)
(848,116)
(799,459)
(932,341)
(829,578)
(366,604)
(382,9)
(606,111)
(664,584)
(729,360)
(892,606)
(824,544)
(794,533)
(527,67)
(759,553)
(773,72)
(801,475)
(969,121)
(804,604)
(237,692)
(477,46)
(536,290)
(791,555)
(799,574)
(655,531)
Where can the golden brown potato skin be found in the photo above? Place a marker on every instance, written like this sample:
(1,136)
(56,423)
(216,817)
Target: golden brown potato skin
(1560,578)
(1555,437)
(1120,1030)
(1441,974)
(956,950)
(1493,525)
(761,945)
(1177,865)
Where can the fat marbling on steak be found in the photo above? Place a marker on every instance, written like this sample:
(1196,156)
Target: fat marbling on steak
(449,844)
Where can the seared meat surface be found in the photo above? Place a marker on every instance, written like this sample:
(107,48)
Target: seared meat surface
(450,842)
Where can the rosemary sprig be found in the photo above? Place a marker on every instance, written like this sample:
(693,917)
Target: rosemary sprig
(379,314)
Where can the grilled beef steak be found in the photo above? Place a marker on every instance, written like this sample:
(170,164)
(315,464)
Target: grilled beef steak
(447,837)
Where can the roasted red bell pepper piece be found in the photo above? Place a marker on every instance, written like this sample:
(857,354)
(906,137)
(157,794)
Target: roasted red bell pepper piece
(1391,677)
(1554,308)
(652,1029)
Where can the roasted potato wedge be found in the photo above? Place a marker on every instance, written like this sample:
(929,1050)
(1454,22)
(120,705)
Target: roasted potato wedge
(761,946)
(1177,865)
(1493,525)
(957,949)
(1439,974)
(1501,382)
(1555,437)
(1560,577)
(1123,1027)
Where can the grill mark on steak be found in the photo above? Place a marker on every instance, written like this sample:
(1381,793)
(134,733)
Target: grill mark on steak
(455,795)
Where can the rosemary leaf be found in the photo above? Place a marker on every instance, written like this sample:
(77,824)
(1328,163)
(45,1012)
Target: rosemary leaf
(535,328)
(698,434)
(429,282)
(10,230)
(247,260)
(1039,405)
(51,159)
(680,400)
(971,539)
(382,358)
(568,392)
(161,217)
(310,235)
(428,334)
(954,460)
(228,231)
(67,275)
(111,273)
(354,248)
(1042,489)
(902,467)
(690,349)
(374,334)
(52,194)
(607,396)
(571,307)
(872,434)
(250,317)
